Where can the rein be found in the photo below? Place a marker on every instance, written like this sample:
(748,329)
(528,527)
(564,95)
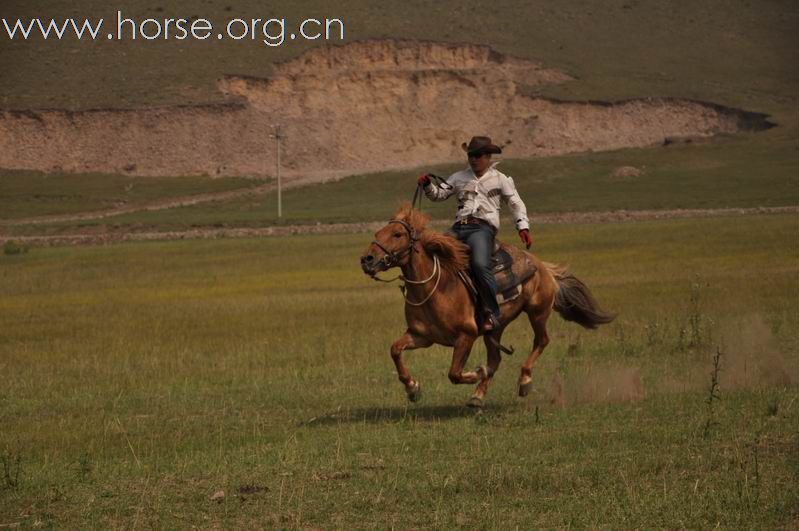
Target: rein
(391,258)
(419,193)
(436,269)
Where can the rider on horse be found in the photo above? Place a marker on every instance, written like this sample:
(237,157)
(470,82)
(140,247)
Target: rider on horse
(480,189)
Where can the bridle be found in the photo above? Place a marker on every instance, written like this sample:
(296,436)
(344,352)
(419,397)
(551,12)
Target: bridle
(392,258)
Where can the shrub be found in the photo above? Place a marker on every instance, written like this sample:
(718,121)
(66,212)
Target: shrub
(11,247)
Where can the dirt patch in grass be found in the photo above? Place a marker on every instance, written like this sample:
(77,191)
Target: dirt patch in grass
(596,385)
(625,173)
(750,359)
(367,106)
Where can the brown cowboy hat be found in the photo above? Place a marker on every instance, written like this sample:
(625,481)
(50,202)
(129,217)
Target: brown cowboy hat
(480,144)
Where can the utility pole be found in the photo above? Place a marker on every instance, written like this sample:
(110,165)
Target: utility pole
(278,137)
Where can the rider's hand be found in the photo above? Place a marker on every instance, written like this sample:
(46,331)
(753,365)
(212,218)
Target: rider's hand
(423,180)
(524,234)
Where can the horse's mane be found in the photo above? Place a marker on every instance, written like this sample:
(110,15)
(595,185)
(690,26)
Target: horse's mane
(453,254)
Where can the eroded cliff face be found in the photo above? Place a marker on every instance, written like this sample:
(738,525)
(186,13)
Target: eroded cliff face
(366,106)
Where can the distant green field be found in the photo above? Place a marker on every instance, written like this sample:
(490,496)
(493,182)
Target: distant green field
(737,53)
(30,194)
(734,172)
(144,378)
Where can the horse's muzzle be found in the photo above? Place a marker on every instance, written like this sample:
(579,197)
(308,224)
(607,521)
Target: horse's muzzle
(369,265)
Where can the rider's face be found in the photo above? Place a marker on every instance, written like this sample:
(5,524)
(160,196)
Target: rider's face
(479,163)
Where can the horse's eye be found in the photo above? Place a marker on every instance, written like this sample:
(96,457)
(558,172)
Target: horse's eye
(398,235)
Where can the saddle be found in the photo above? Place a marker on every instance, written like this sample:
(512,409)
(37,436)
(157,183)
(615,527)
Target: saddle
(511,268)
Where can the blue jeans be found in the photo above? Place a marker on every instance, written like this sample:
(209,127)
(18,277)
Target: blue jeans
(480,239)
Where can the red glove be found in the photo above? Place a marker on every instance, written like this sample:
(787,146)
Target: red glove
(423,180)
(524,234)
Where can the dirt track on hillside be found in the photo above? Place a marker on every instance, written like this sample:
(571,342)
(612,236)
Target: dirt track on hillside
(161,204)
(619,216)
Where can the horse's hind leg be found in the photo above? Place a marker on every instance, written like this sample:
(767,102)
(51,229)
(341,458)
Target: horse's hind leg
(487,372)
(408,341)
(540,342)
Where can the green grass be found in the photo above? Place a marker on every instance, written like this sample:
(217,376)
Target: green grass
(28,194)
(737,53)
(732,172)
(142,378)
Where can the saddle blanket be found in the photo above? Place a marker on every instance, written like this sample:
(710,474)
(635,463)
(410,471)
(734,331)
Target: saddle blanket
(511,269)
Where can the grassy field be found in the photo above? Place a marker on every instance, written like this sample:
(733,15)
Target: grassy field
(734,53)
(710,176)
(142,379)
(733,172)
(29,194)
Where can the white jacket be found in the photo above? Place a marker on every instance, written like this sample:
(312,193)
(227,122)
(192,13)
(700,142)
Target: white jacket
(480,198)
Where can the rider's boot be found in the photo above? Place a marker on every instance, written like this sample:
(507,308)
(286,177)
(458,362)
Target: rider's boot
(490,322)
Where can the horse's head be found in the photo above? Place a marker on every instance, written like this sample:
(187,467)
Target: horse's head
(392,247)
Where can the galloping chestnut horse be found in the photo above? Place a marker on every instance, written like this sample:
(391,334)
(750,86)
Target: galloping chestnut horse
(439,308)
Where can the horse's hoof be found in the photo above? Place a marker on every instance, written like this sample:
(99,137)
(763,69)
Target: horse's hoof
(415,392)
(525,388)
(475,402)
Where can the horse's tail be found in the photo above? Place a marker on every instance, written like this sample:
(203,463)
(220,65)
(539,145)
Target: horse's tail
(574,301)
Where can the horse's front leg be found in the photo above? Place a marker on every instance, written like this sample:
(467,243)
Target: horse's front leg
(463,347)
(408,341)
